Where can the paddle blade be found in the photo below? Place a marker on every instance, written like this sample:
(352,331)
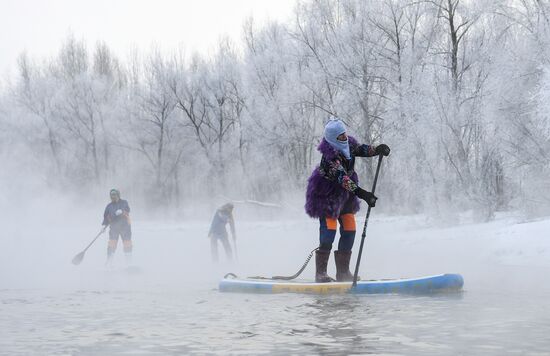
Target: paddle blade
(78,258)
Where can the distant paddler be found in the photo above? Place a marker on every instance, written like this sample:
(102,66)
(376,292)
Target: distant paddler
(218,232)
(117,217)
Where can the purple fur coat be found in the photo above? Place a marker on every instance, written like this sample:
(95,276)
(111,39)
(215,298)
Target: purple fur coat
(325,197)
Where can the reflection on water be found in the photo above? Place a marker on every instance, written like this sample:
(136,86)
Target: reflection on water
(365,324)
(204,321)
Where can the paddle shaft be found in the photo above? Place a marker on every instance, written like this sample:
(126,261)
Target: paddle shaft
(95,238)
(365,225)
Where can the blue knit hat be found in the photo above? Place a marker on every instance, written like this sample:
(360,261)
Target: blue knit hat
(334,128)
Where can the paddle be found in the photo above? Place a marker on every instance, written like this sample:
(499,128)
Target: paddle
(365,226)
(78,258)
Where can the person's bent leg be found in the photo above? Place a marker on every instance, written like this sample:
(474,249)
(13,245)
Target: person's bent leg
(127,244)
(347,232)
(111,245)
(214,248)
(343,255)
(327,233)
(227,247)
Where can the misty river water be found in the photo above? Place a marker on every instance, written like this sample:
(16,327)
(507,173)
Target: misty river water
(204,321)
(174,307)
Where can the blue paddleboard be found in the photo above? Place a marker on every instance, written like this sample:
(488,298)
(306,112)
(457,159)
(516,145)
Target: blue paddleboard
(428,284)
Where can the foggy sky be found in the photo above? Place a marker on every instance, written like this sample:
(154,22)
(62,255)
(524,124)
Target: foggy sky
(39,26)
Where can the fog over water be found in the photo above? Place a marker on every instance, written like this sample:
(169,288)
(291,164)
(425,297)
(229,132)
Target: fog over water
(172,306)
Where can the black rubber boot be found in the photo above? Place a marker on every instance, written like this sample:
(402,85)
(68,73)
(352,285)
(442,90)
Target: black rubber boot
(321,262)
(342,266)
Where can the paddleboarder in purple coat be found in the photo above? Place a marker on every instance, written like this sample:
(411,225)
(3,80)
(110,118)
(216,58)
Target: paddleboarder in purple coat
(333,196)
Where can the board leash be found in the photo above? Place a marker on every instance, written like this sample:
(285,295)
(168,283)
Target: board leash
(283,278)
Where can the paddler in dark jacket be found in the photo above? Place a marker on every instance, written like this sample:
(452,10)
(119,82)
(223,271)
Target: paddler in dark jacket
(332,196)
(117,217)
(218,232)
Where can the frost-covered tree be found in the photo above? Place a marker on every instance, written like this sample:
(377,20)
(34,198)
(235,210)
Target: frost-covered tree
(457,88)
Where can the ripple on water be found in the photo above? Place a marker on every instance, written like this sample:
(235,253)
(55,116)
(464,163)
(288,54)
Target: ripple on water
(208,322)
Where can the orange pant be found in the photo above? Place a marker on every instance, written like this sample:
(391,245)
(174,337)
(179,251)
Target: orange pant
(327,232)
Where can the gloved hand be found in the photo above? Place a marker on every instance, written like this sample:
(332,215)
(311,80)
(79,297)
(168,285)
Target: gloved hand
(118,212)
(366,196)
(382,149)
